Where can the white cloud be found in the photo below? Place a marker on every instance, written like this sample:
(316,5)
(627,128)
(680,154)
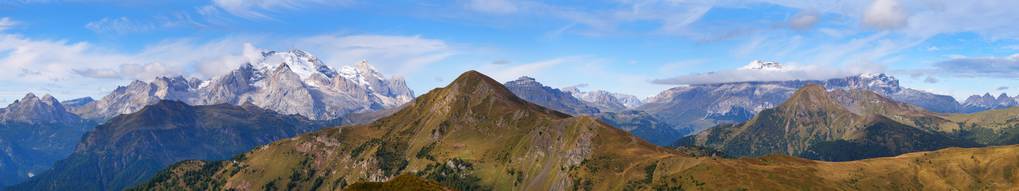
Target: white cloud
(394,55)
(1006,67)
(35,60)
(6,23)
(788,72)
(84,69)
(507,72)
(804,20)
(885,14)
(260,9)
(118,25)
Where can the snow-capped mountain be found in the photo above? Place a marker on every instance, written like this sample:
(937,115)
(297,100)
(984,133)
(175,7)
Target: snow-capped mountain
(763,65)
(288,82)
(604,100)
(700,106)
(976,103)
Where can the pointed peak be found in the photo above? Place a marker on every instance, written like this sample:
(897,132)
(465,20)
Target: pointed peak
(811,96)
(474,76)
(811,88)
(473,88)
(29,96)
(49,98)
(364,66)
(282,67)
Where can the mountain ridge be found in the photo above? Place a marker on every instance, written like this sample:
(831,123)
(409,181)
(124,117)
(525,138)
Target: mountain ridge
(319,92)
(130,148)
(699,106)
(812,123)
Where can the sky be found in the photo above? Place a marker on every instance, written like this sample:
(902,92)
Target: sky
(78,48)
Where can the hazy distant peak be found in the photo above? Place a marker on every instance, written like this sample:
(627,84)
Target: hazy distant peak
(763,65)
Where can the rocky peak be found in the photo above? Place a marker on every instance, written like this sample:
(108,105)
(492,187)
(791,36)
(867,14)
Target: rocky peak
(362,73)
(525,81)
(1003,97)
(302,63)
(35,110)
(531,90)
(879,82)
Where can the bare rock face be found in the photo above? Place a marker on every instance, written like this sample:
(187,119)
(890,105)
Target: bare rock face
(977,103)
(604,100)
(288,82)
(530,90)
(36,110)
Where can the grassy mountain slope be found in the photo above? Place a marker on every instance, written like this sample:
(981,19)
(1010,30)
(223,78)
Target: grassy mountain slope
(992,127)
(475,135)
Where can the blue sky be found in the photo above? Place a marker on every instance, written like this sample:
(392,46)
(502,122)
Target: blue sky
(81,48)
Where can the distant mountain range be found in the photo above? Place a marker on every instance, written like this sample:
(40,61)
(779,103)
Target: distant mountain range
(474,134)
(976,103)
(699,106)
(613,108)
(841,125)
(606,101)
(289,82)
(130,148)
(35,132)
